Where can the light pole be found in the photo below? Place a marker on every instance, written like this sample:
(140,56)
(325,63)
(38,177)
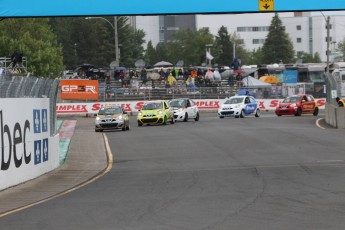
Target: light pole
(114,26)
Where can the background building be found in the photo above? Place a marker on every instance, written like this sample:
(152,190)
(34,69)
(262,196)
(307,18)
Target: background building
(307,31)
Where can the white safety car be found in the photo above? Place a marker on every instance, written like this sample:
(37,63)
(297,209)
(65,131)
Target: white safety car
(239,106)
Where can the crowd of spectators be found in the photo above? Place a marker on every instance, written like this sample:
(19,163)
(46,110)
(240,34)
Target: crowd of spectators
(169,77)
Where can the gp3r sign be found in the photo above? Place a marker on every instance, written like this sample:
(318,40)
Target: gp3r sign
(79,89)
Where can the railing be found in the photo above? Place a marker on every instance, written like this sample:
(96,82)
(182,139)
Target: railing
(32,87)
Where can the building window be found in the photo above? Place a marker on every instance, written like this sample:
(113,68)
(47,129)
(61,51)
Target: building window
(299,40)
(258,41)
(253,29)
(299,27)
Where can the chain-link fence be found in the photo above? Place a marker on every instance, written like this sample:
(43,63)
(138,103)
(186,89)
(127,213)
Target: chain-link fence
(32,87)
(331,86)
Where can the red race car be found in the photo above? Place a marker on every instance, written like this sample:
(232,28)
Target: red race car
(298,105)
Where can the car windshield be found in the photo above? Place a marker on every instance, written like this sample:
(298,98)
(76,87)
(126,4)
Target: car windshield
(178,103)
(110,111)
(291,99)
(152,106)
(234,100)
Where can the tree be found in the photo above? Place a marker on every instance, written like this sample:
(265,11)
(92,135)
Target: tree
(92,41)
(33,37)
(308,58)
(341,47)
(278,46)
(224,47)
(151,54)
(192,45)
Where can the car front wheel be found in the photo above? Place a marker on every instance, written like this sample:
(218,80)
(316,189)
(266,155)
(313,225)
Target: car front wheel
(242,114)
(257,113)
(197,117)
(316,111)
(185,117)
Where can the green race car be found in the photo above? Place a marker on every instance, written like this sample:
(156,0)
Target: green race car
(155,112)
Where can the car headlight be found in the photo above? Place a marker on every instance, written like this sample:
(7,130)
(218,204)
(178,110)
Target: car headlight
(160,112)
(180,110)
(293,105)
(97,118)
(120,117)
(139,114)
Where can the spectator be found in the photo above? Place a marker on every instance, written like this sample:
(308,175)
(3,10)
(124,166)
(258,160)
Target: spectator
(171,80)
(162,74)
(216,75)
(340,102)
(235,65)
(122,76)
(180,74)
(190,83)
(16,58)
(143,75)
(193,73)
(209,76)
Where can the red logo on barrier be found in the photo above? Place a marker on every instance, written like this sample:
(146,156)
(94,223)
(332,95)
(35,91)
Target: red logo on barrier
(97,106)
(139,105)
(207,104)
(321,102)
(71,108)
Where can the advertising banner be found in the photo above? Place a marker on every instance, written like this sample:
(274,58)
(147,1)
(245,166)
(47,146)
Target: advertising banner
(79,89)
(134,106)
(26,148)
(40,8)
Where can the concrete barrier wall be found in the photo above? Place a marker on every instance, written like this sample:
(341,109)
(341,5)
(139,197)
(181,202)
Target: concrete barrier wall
(26,148)
(134,106)
(335,116)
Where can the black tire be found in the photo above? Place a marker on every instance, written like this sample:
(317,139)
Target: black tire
(221,117)
(124,128)
(257,113)
(128,128)
(172,120)
(164,120)
(185,117)
(237,116)
(96,130)
(139,124)
(197,118)
(242,115)
(299,112)
(316,111)
(279,115)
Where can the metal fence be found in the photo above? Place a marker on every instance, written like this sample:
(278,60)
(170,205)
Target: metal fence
(32,87)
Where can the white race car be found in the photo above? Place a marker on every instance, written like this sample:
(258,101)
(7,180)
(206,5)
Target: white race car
(239,106)
(184,109)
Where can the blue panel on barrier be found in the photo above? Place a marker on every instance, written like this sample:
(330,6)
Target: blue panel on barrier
(35,8)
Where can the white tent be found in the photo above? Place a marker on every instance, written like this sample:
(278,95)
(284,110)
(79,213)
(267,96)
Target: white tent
(249,81)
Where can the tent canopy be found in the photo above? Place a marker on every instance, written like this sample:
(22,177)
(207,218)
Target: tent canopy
(269,79)
(249,81)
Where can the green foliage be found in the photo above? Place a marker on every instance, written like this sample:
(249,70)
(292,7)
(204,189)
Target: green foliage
(33,37)
(151,54)
(92,41)
(308,58)
(223,51)
(256,57)
(278,46)
(341,47)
